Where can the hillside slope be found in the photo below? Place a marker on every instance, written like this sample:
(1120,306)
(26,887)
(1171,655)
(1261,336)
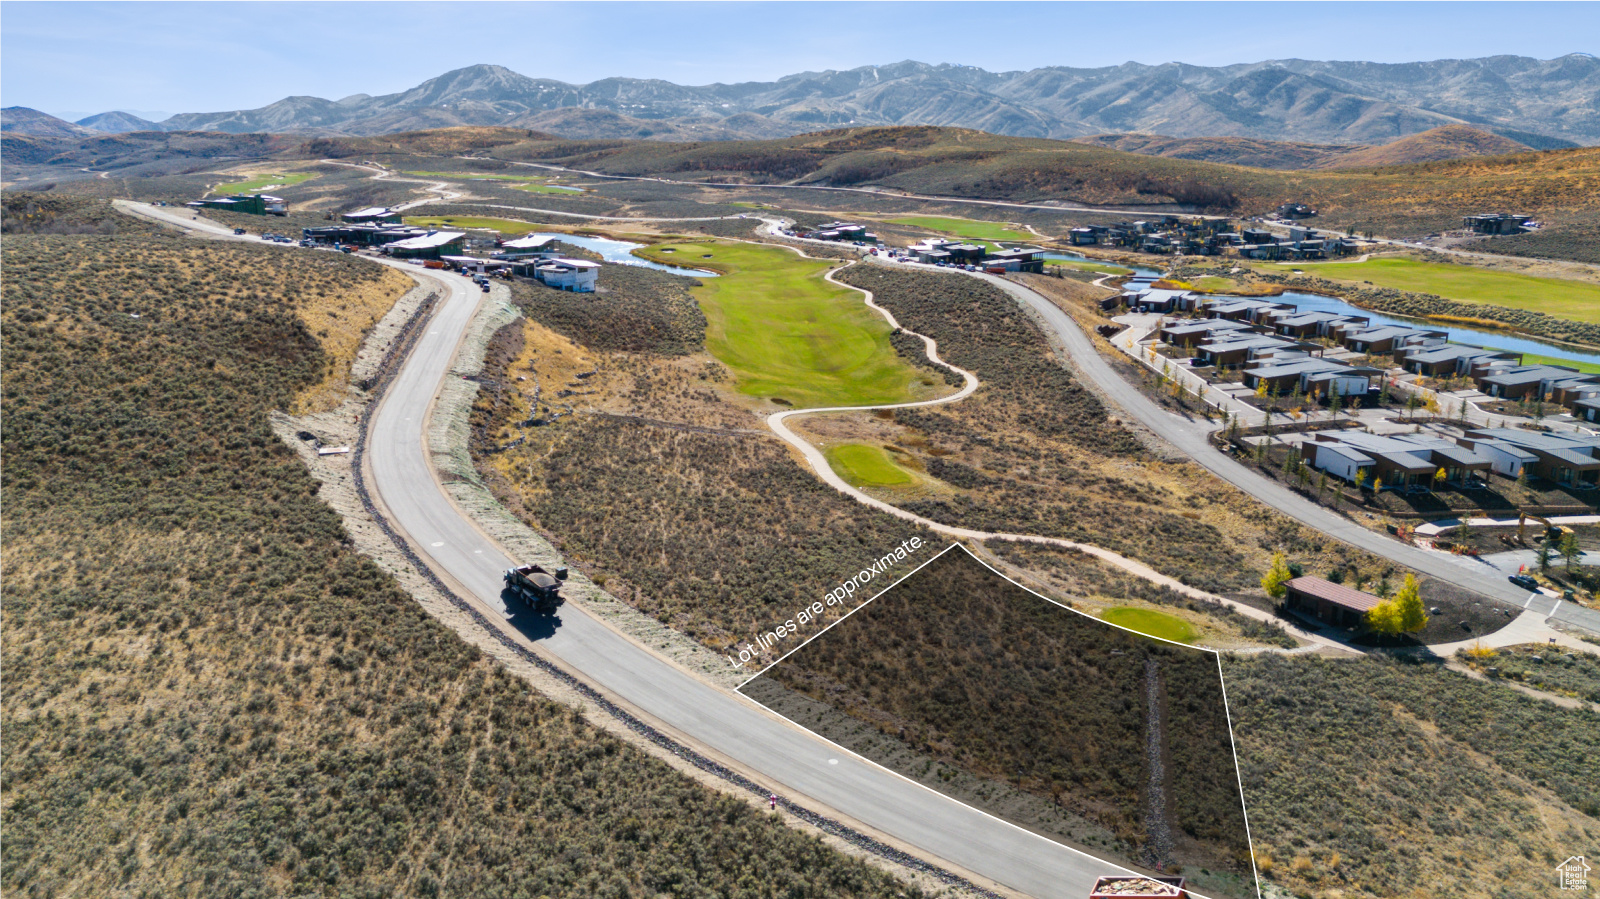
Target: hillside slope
(210,693)
(1437,144)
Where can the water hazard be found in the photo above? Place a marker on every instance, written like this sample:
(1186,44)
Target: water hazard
(621,252)
(1310,302)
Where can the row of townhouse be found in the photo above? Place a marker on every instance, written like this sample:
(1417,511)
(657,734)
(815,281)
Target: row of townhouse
(953,252)
(1413,461)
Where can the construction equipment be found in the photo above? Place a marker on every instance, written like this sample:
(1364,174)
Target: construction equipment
(537,587)
(1551,531)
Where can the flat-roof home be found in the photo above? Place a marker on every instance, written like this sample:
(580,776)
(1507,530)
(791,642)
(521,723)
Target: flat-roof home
(1406,460)
(524,247)
(578,275)
(1017,259)
(1587,409)
(1326,601)
(1083,237)
(1329,377)
(1496,223)
(1385,338)
(840,231)
(371,215)
(1504,457)
(1530,381)
(429,246)
(1244,309)
(1231,352)
(1157,300)
(1310,324)
(1181,332)
(253,204)
(1449,359)
(1570,460)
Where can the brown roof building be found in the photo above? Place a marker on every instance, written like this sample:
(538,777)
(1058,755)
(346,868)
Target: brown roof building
(1326,601)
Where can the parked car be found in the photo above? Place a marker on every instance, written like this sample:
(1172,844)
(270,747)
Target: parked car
(1523,581)
(238,230)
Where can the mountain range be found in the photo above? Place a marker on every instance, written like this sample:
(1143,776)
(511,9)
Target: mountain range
(1540,103)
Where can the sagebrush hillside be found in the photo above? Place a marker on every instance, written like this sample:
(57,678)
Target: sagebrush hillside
(209,693)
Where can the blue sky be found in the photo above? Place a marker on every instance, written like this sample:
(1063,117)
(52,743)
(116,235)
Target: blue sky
(75,59)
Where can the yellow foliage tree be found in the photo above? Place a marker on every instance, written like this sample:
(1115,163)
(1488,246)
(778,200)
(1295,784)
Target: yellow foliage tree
(1277,576)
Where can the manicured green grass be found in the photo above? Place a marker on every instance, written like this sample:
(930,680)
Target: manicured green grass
(1148,621)
(1102,267)
(469,176)
(1590,367)
(504,226)
(547,189)
(788,334)
(982,231)
(260,183)
(1573,300)
(866,466)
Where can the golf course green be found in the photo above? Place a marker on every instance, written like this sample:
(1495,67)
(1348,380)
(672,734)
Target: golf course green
(260,183)
(504,226)
(1153,623)
(968,228)
(788,334)
(1575,300)
(864,465)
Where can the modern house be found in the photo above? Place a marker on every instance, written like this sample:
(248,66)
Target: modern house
(1385,338)
(1311,324)
(1566,459)
(842,231)
(1245,309)
(431,245)
(1182,332)
(1505,458)
(363,235)
(1393,462)
(1288,374)
(1534,381)
(1587,409)
(1232,352)
(1017,259)
(372,215)
(1496,223)
(526,247)
(1328,602)
(1448,359)
(254,204)
(577,275)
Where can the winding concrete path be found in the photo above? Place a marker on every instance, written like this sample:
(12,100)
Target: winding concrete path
(778,422)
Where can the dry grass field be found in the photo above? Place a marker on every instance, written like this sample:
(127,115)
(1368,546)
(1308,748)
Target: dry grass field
(209,693)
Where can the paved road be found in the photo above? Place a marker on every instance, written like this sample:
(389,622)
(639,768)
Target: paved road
(1192,439)
(793,760)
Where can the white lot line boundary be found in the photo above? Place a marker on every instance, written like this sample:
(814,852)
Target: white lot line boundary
(777,421)
(1217,654)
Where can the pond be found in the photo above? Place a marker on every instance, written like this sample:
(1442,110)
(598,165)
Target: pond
(1310,302)
(621,252)
(1074,257)
(1499,340)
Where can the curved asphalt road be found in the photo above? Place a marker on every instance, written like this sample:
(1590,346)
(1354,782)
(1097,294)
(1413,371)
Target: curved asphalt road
(793,760)
(1192,439)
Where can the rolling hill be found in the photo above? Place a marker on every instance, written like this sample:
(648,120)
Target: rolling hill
(1543,103)
(1445,142)
(22,120)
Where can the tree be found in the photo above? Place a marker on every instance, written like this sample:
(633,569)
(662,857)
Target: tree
(1322,482)
(1336,400)
(1361,478)
(1401,614)
(1439,478)
(1277,577)
(1570,551)
(1413,403)
(1544,554)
